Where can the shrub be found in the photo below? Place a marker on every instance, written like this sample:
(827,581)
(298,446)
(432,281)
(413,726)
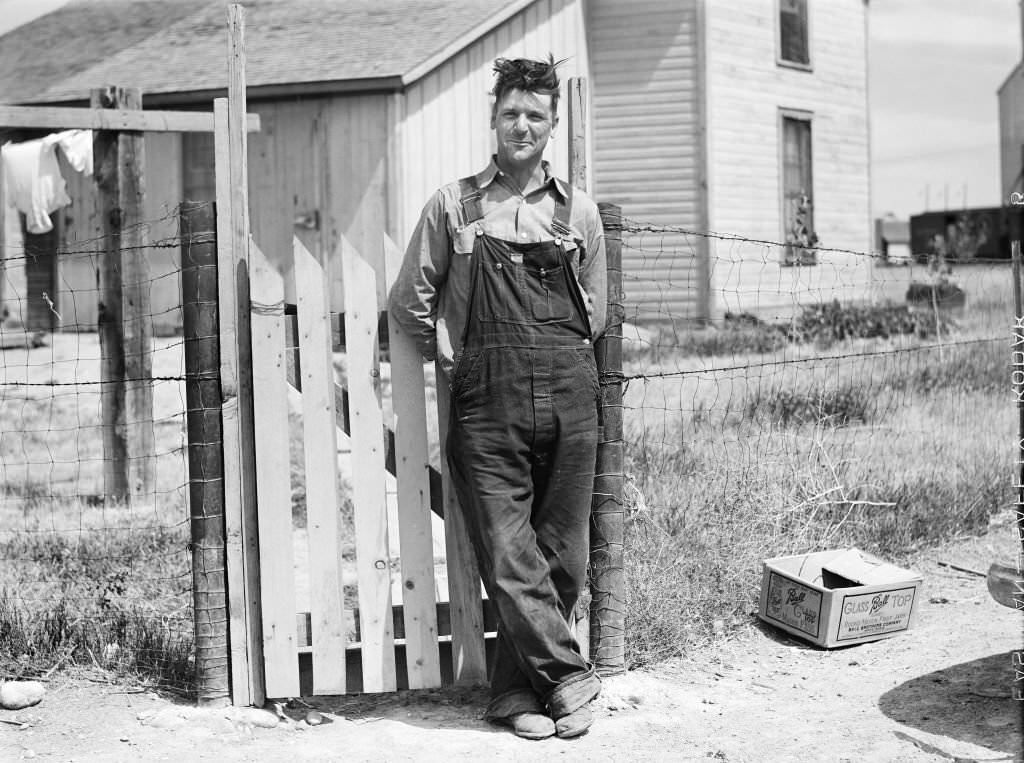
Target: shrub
(822,407)
(829,322)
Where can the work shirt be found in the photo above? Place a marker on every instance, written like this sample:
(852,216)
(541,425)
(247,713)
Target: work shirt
(431,294)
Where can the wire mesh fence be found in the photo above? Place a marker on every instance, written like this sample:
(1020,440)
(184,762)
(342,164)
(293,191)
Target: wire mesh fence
(768,408)
(88,578)
(842,402)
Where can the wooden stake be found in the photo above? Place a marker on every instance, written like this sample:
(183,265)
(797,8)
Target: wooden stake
(608,607)
(247,683)
(578,177)
(124,315)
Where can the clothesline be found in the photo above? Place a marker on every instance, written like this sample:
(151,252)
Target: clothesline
(31,175)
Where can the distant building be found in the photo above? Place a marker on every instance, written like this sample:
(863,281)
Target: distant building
(720,115)
(981,233)
(706,115)
(892,239)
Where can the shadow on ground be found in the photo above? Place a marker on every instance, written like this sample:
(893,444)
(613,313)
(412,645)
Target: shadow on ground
(971,702)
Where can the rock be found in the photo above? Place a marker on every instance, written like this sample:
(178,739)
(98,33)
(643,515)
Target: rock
(167,718)
(253,716)
(15,695)
(314,718)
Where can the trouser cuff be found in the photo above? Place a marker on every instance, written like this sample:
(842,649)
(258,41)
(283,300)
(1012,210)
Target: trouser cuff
(512,702)
(573,694)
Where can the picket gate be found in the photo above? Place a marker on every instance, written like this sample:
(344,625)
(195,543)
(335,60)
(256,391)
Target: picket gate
(408,610)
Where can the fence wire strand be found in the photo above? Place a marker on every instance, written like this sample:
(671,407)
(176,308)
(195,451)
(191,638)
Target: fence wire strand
(99,581)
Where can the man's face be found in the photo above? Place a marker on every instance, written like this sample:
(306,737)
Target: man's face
(522,123)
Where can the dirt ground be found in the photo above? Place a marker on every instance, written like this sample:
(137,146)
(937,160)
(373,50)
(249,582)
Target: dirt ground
(942,691)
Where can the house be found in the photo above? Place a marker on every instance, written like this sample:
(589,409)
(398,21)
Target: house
(705,115)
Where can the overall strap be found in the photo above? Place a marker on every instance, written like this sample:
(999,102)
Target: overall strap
(469,191)
(563,214)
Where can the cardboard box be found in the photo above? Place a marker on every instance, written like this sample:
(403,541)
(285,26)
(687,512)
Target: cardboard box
(835,598)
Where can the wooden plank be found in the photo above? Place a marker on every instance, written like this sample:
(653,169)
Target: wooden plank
(341,409)
(273,487)
(227,297)
(577,99)
(373,565)
(238,177)
(320,448)
(412,470)
(64,118)
(442,615)
(468,655)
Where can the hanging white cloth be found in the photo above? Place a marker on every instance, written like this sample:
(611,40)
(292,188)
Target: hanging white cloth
(32,178)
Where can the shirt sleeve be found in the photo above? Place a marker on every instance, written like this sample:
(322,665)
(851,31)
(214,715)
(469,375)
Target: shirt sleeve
(594,270)
(413,298)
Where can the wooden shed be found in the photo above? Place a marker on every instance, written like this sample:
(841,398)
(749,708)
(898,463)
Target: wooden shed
(366,107)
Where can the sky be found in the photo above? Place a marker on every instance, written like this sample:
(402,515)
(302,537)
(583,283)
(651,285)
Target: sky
(934,68)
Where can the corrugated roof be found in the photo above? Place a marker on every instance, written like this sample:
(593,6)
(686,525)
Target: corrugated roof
(180,47)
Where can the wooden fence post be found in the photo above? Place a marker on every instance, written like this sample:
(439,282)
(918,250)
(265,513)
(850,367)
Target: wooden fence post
(231,169)
(205,450)
(124,312)
(577,100)
(608,606)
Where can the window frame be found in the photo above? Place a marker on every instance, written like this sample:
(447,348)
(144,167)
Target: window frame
(779,60)
(798,115)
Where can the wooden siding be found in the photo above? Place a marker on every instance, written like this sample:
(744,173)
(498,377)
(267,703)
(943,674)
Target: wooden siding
(745,91)
(1011,132)
(444,132)
(647,153)
(319,162)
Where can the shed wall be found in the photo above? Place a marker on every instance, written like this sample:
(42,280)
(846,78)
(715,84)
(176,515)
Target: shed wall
(78,297)
(443,125)
(318,172)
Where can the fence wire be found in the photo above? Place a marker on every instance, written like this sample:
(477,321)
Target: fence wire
(844,402)
(768,409)
(88,579)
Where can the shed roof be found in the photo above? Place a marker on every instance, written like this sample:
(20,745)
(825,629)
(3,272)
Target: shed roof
(180,47)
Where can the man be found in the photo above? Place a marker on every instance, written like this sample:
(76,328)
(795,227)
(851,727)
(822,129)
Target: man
(504,283)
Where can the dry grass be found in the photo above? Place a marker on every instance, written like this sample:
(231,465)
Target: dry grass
(889,446)
(83,582)
(739,447)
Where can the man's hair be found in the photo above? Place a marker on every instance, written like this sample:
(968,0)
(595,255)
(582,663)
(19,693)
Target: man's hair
(529,75)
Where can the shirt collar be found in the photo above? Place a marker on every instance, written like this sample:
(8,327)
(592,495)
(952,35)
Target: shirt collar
(488,175)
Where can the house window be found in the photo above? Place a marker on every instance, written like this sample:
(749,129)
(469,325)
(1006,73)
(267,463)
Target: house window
(798,192)
(794,46)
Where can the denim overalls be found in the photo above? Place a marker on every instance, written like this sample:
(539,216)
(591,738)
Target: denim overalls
(521,451)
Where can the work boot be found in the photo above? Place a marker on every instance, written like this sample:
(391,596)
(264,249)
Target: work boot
(575,723)
(528,725)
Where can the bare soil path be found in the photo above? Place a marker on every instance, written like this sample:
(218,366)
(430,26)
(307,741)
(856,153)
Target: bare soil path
(941,692)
